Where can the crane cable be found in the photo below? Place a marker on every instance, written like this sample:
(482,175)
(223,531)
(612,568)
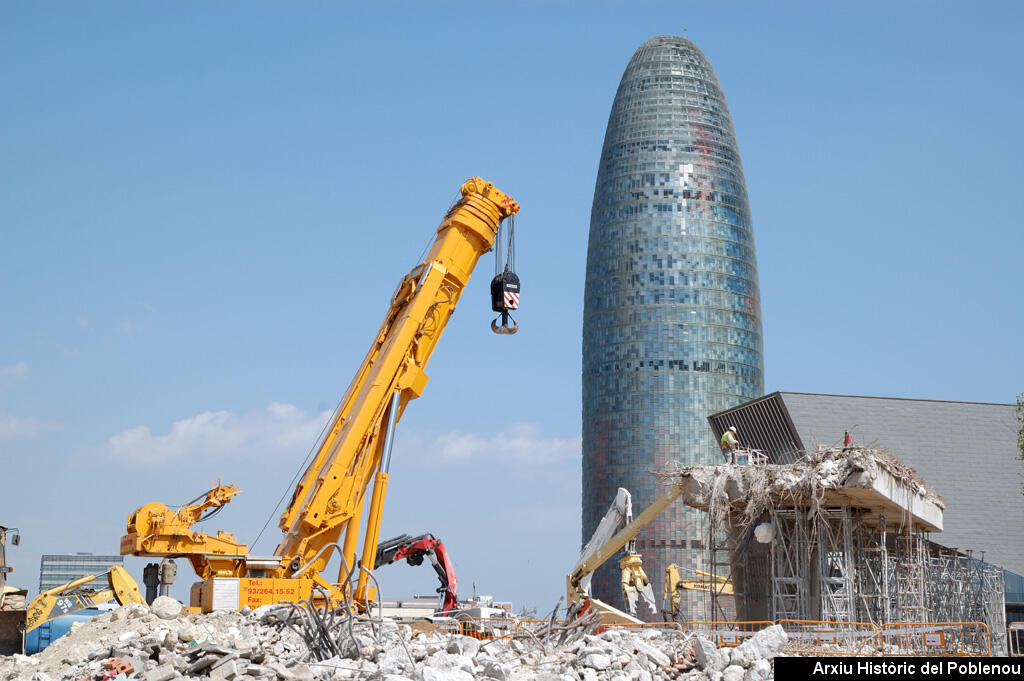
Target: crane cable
(298,472)
(509,249)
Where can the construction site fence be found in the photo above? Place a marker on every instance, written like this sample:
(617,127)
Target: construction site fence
(823,637)
(668,626)
(727,634)
(961,639)
(1015,639)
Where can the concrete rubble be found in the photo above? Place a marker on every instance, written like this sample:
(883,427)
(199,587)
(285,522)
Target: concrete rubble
(164,643)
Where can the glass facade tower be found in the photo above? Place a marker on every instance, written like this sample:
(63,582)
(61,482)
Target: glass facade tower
(672,314)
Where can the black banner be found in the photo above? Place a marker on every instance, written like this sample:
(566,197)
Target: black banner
(898,668)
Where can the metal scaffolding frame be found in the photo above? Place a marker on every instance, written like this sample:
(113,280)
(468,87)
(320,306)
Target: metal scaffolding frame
(844,565)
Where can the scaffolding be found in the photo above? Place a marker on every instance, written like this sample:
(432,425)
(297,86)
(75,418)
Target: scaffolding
(842,537)
(842,565)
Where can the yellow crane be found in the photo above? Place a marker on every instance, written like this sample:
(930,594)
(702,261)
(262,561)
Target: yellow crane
(353,458)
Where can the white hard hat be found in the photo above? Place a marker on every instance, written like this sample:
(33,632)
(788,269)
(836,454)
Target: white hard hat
(732,428)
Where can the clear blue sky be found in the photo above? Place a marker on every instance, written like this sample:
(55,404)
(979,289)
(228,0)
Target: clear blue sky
(204,208)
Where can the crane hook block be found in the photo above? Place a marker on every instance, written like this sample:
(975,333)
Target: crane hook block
(505,297)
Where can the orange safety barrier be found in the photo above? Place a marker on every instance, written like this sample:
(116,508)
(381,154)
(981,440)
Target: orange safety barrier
(488,628)
(940,639)
(671,626)
(825,637)
(727,634)
(1015,639)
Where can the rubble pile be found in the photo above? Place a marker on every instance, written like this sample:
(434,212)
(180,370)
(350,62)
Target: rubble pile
(164,643)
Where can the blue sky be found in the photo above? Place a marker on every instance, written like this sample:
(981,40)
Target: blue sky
(204,208)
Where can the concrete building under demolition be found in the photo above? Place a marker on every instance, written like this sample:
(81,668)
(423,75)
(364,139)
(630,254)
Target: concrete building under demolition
(966,450)
(672,314)
(842,536)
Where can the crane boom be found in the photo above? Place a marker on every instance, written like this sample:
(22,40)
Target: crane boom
(355,449)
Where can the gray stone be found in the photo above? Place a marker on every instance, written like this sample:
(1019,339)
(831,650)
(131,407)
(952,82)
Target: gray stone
(224,672)
(164,672)
(301,672)
(100,654)
(281,671)
(495,670)
(204,662)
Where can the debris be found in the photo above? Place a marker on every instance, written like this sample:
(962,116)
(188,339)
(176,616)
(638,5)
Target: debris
(271,644)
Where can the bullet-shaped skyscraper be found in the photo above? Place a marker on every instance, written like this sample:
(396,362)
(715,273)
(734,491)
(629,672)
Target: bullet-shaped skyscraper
(672,314)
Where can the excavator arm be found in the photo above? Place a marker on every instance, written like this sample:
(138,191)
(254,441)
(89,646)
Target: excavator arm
(68,598)
(414,550)
(595,554)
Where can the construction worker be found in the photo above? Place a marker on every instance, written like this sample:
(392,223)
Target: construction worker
(729,443)
(847,439)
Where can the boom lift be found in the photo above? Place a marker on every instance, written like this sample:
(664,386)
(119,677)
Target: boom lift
(354,455)
(413,550)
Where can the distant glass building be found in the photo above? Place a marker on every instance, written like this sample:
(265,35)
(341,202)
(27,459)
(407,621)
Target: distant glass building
(57,569)
(672,314)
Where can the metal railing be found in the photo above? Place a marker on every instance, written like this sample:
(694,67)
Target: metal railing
(945,639)
(823,637)
(727,634)
(1015,639)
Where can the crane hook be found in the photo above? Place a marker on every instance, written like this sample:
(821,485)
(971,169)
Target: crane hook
(504,328)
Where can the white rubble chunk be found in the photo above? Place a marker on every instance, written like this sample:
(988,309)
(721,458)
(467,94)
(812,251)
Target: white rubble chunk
(595,660)
(707,655)
(733,672)
(166,608)
(765,644)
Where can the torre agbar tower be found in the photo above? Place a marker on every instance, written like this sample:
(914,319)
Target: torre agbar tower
(671,313)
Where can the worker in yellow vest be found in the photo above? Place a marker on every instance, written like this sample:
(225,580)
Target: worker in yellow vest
(729,443)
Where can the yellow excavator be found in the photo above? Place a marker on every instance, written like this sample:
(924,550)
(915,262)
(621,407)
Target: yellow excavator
(601,547)
(675,585)
(608,540)
(69,598)
(353,457)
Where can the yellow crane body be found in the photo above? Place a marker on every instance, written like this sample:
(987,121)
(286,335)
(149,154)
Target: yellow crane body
(353,456)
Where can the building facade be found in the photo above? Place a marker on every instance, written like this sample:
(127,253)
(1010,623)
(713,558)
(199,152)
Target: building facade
(672,314)
(57,569)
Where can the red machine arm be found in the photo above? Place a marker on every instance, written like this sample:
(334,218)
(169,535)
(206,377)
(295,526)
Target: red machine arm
(413,550)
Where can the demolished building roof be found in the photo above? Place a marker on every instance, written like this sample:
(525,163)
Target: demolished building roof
(868,477)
